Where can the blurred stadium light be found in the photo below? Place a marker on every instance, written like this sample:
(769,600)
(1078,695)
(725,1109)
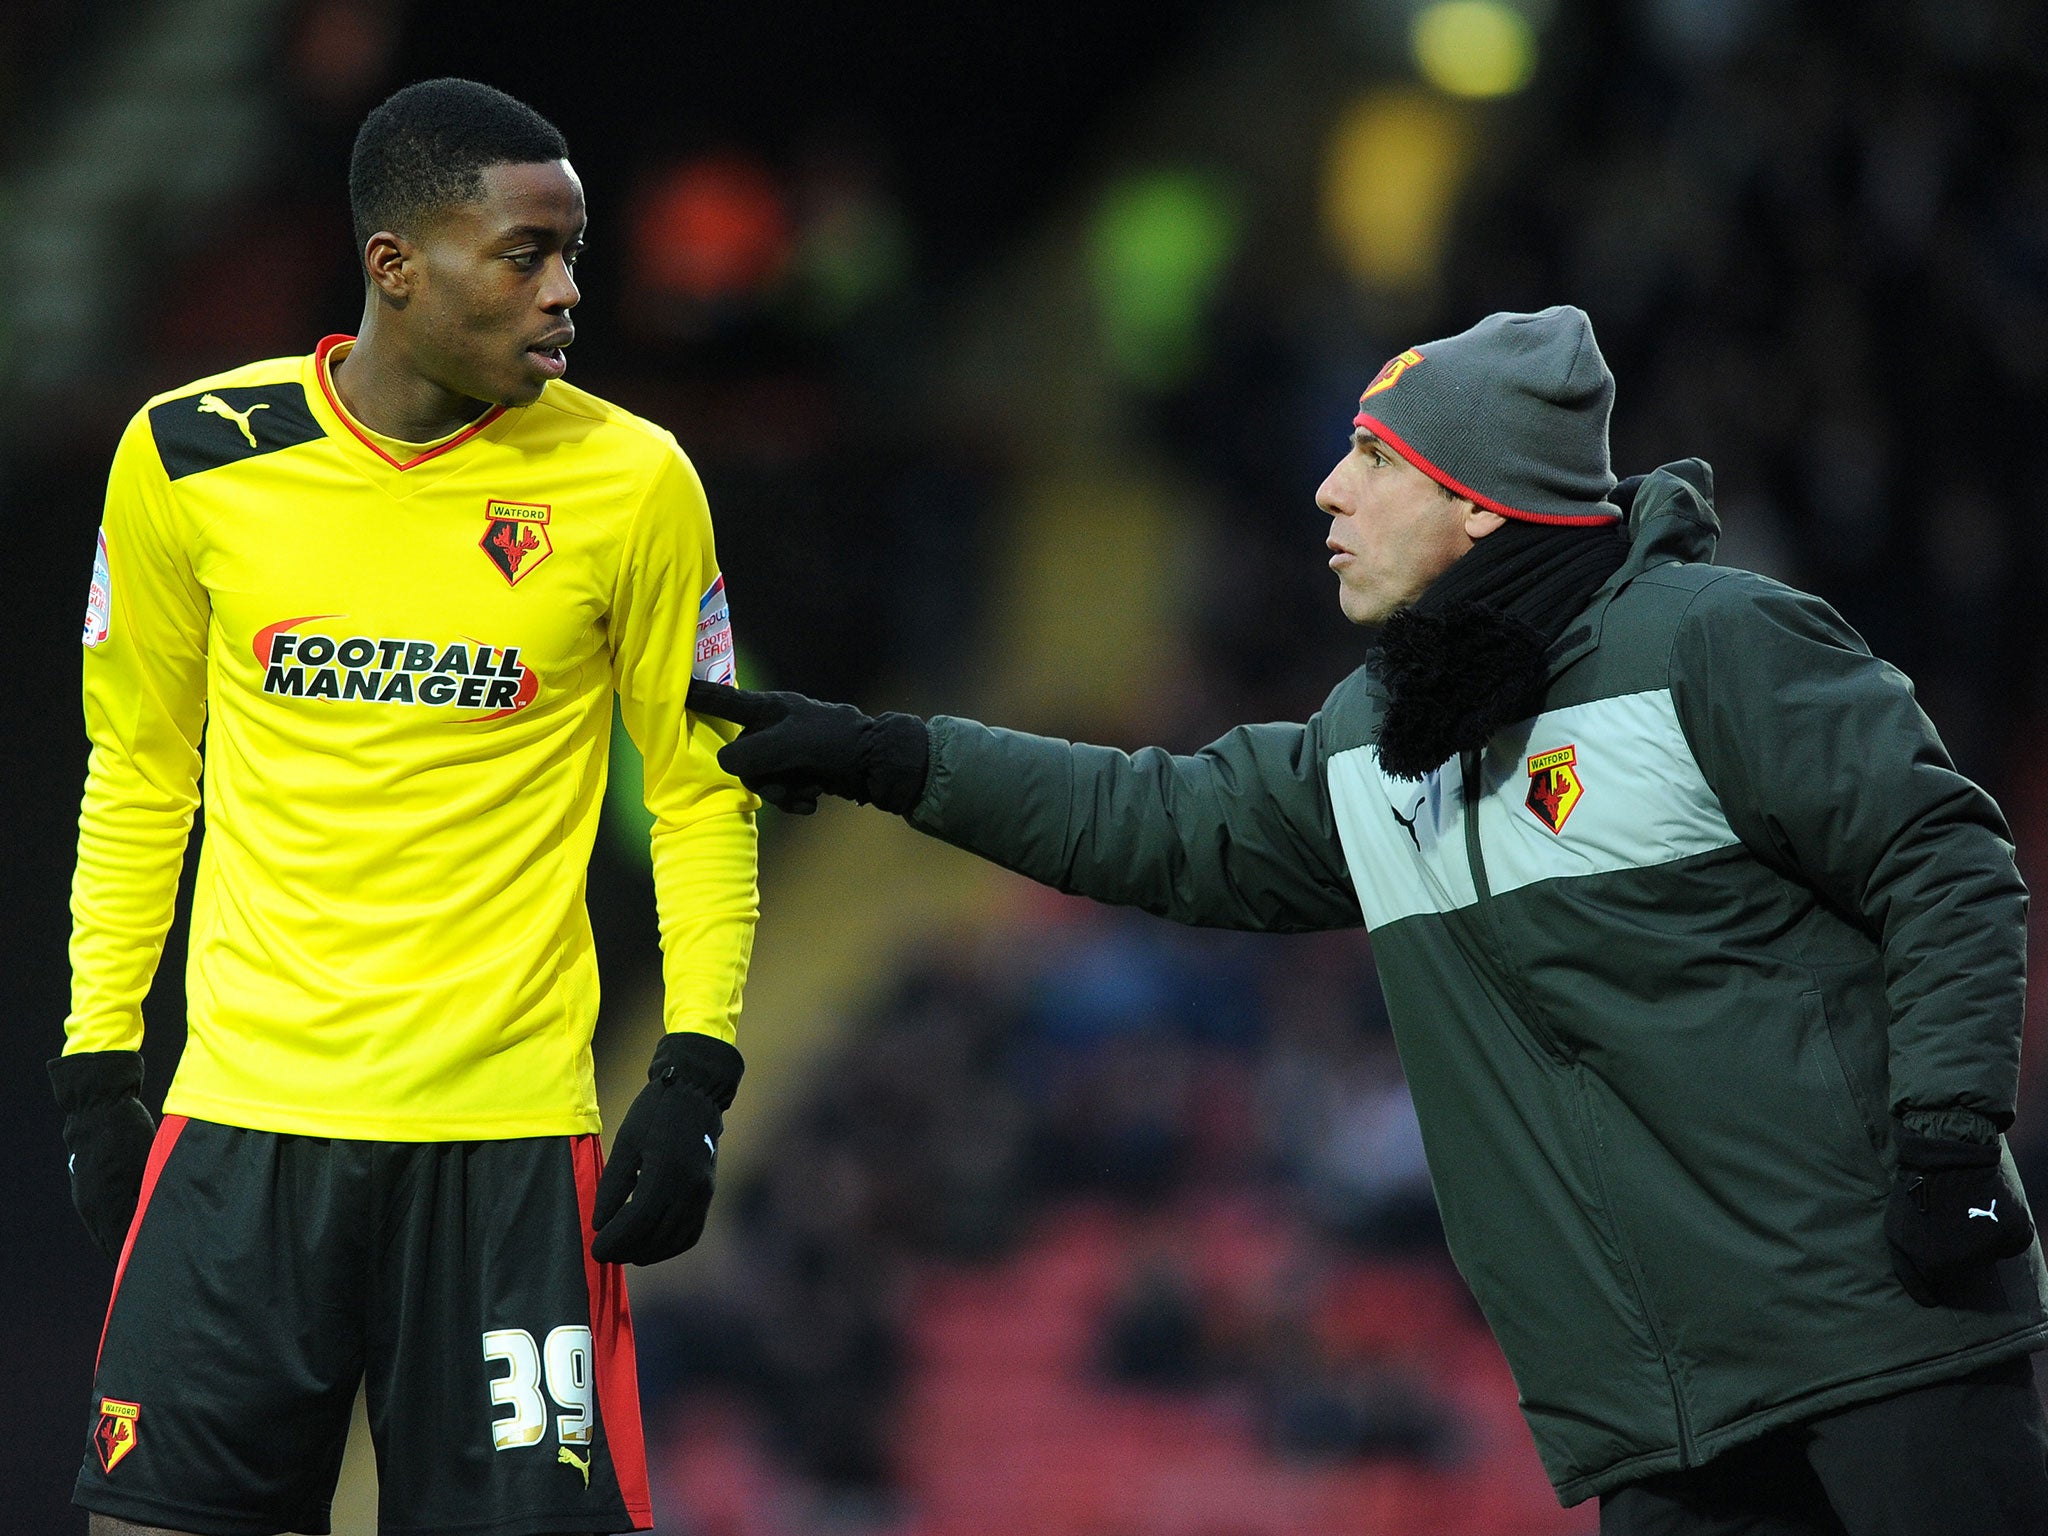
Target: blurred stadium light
(342,50)
(1394,165)
(1475,48)
(1159,248)
(853,245)
(709,234)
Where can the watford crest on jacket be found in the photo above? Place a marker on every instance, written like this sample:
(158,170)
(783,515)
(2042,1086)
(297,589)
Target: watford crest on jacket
(1554,787)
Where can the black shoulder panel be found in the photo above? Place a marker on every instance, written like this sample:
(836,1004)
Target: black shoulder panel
(223,426)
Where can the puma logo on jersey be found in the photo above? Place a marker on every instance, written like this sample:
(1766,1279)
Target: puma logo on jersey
(213,405)
(569,1458)
(259,419)
(1989,1215)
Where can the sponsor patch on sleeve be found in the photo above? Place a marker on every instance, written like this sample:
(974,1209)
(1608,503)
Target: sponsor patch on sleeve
(714,637)
(99,599)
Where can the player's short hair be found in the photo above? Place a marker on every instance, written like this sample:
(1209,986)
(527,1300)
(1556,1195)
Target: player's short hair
(427,146)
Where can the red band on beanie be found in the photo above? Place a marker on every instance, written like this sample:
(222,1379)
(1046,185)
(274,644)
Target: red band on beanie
(1380,430)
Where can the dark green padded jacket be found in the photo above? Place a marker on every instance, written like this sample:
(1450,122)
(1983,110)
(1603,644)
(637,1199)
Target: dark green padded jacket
(1663,962)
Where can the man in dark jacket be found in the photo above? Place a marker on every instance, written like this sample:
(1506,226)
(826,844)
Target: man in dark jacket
(1705,964)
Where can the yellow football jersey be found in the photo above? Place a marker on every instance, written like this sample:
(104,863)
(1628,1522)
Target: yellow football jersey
(402,661)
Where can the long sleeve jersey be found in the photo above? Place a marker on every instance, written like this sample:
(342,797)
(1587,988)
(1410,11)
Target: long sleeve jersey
(400,662)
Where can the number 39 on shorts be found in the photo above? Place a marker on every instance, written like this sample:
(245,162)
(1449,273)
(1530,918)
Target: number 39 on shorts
(562,1365)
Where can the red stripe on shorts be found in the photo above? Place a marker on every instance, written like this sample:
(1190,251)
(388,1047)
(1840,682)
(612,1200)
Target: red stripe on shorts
(617,1369)
(167,1131)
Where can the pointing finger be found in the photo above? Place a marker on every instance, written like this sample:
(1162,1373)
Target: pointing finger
(738,705)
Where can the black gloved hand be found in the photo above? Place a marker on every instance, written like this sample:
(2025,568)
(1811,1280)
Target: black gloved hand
(108,1133)
(792,749)
(666,1153)
(1952,1211)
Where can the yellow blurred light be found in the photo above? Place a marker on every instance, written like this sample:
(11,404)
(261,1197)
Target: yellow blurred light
(1395,164)
(1474,47)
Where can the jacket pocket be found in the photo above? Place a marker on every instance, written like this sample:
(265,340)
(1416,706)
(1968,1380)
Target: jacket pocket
(1856,1113)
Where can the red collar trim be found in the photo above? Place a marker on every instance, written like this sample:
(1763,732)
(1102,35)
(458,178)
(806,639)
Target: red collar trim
(1380,430)
(320,372)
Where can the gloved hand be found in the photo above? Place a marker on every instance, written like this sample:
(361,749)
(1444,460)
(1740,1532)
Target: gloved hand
(108,1133)
(666,1153)
(1952,1211)
(792,749)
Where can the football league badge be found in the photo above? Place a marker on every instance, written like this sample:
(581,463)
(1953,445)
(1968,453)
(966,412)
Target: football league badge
(99,599)
(115,1436)
(1554,787)
(516,537)
(714,660)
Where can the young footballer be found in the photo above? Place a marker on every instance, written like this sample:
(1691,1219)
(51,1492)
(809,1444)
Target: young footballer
(383,595)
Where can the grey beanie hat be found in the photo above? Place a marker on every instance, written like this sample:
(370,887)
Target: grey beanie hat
(1511,415)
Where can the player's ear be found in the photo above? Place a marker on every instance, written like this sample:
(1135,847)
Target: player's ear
(392,264)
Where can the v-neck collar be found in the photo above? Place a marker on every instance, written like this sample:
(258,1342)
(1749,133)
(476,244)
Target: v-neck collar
(399,475)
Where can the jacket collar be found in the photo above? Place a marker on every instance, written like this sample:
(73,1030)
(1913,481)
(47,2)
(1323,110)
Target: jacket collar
(1671,518)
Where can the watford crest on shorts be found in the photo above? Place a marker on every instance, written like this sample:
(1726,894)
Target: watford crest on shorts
(516,537)
(1554,787)
(115,1436)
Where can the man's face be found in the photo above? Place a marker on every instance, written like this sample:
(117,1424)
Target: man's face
(494,283)
(1392,529)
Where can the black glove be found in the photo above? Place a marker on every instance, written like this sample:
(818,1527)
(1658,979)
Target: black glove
(792,749)
(666,1153)
(108,1133)
(1952,1211)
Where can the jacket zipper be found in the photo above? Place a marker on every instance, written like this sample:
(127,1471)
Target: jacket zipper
(1469,765)
(1469,768)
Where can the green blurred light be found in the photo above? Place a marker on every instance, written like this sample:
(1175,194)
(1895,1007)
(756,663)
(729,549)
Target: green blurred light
(625,822)
(1158,250)
(854,252)
(1474,48)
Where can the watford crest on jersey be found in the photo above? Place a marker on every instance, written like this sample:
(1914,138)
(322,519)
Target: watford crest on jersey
(516,537)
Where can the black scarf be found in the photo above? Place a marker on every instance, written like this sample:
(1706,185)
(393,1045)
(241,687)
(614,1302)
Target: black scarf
(1469,655)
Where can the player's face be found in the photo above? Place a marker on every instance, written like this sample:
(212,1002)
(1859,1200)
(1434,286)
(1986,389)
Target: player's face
(1392,531)
(491,316)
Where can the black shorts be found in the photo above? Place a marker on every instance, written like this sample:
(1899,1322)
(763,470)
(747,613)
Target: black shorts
(267,1275)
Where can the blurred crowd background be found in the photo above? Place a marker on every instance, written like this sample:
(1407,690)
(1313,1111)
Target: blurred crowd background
(1011,343)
